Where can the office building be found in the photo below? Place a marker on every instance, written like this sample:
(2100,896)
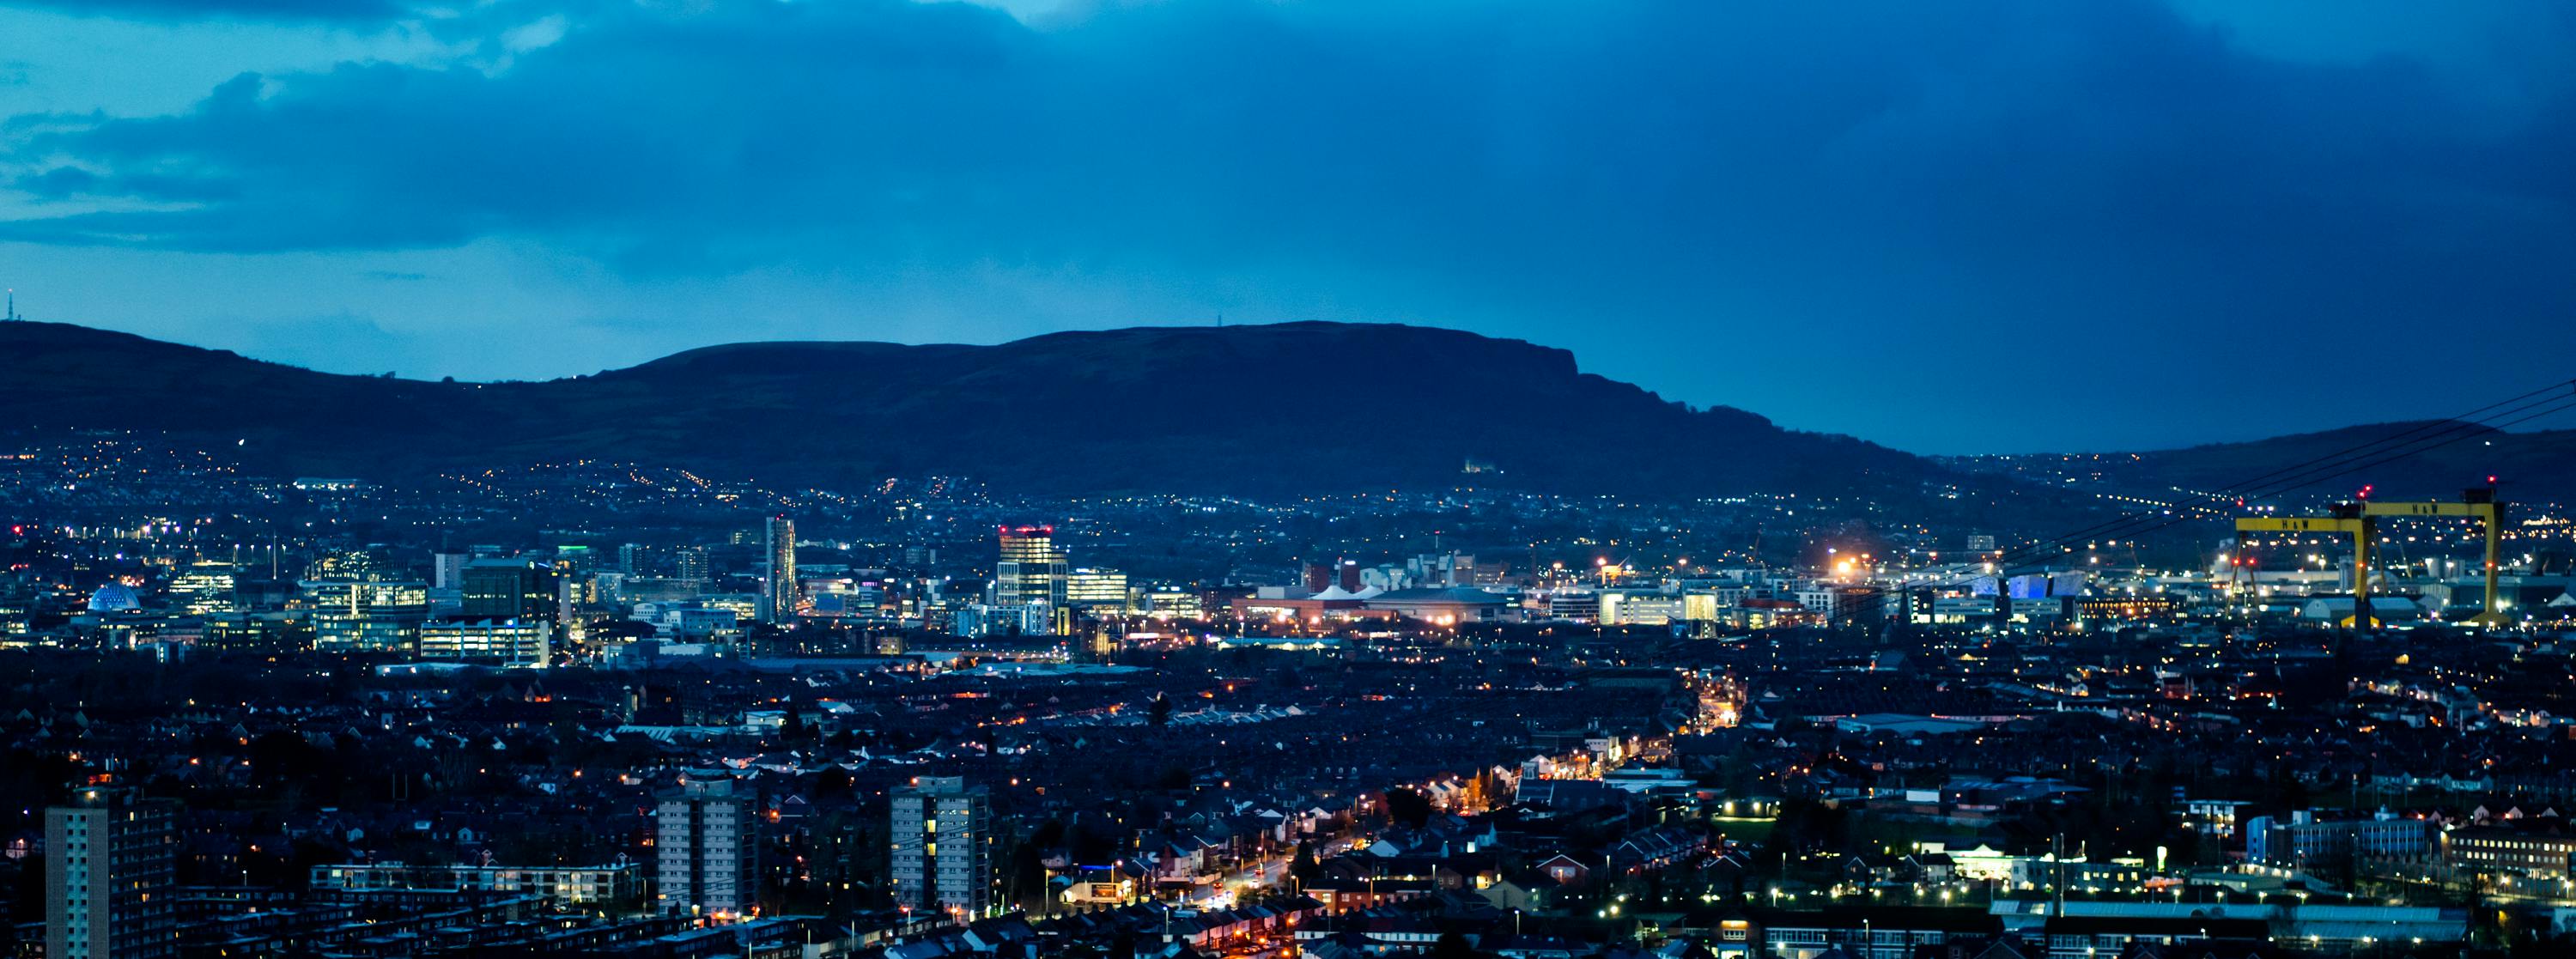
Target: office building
(204,588)
(778,594)
(943,847)
(2497,850)
(447,570)
(499,642)
(977,620)
(511,589)
(1175,604)
(1031,570)
(2303,841)
(367,617)
(111,866)
(1096,589)
(260,632)
(704,835)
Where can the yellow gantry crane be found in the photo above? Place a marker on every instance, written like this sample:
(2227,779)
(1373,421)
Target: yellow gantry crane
(2361,521)
(2345,518)
(2479,504)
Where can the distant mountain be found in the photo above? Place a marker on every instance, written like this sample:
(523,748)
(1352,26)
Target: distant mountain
(2441,458)
(1290,408)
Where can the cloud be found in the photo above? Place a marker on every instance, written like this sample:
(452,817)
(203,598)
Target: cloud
(1906,183)
(332,11)
(742,132)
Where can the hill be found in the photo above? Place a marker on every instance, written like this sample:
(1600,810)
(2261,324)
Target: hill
(2440,459)
(1289,408)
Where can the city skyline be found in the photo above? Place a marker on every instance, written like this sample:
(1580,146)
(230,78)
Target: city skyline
(2106,205)
(1287,479)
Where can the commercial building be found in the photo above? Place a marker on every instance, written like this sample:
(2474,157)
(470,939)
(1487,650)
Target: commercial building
(2496,850)
(447,570)
(502,642)
(204,588)
(1096,589)
(1441,606)
(366,616)
(1175,604)
(2304,841)
(1030,568)
(1881,932)
(778,593)
(978,620)
(943,847)
(1636,608)
(511,589)
(705,841)
(263,632)
(110,869)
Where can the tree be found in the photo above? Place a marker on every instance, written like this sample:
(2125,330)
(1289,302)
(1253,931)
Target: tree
(833,781)
(1407,808)
(792,726)
(1159,713)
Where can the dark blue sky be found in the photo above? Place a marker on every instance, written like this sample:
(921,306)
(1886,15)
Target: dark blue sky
(1949,227)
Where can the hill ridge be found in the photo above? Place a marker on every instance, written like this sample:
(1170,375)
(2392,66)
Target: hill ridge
(1304,406)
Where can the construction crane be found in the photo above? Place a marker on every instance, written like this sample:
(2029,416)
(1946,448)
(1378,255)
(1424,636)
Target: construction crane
(2360,520)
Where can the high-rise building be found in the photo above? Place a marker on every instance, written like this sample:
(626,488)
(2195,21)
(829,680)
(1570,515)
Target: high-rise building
(778,583)
(447,570)
(943,847)
(1030,569)
(511,589)
(694,563)
(704,834)
(1029,544)
(111,866)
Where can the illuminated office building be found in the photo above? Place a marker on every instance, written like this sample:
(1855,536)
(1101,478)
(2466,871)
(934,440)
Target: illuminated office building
(778,582)
(1031,569)
(204,588)
(1096,588)
(503,642)
(511,589)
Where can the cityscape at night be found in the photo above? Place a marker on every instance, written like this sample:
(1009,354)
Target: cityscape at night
(1287,479)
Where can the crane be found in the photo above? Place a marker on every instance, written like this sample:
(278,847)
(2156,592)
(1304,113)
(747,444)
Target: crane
(2360,520)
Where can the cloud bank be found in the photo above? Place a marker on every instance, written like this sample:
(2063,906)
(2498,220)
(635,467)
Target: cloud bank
(1976,187)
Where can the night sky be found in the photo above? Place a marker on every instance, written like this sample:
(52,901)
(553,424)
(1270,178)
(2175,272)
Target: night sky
(1949,227)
